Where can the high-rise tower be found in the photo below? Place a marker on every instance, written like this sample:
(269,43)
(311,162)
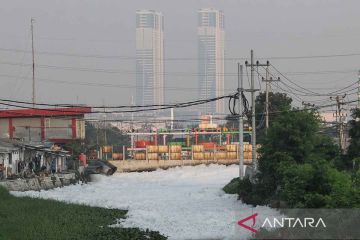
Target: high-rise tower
(149,57)
(211,54)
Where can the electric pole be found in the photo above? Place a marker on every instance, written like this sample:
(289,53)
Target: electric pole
(253,90)
(241,122)
(253,119)
(105,155)
(33,62)
(359,90)
(267,81)
(340,117)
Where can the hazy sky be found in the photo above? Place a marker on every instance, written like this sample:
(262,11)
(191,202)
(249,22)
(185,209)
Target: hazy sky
(104,31)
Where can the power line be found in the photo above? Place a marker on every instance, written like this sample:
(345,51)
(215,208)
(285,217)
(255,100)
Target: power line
(272,113)
(123,57)
(91,84)
(143,108)
(117,71)
(308,92)
(286,78)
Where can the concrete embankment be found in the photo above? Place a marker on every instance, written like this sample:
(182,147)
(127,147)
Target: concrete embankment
(39,183)
(60,180)
(150,165)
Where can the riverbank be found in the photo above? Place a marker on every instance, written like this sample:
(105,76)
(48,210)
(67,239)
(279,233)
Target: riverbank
(29,218)
(39,183)
(181,203)
(152,165)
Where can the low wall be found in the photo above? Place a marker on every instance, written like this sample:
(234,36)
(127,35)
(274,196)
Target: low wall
(39,183)
(150,165)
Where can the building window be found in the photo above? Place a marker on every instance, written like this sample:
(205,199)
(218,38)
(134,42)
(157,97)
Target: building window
(212,19)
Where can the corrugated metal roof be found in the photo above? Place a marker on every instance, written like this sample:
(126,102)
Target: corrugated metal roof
(6,147)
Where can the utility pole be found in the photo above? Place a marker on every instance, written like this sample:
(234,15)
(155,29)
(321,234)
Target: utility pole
(97,141)
(241,122)
(33,62)
(340,117)
(105,155)
(253,119)
(172,118)
(253,90)
(267,81)
(358,90)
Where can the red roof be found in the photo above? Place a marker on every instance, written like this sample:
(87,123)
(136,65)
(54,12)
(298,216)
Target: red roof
(45,112)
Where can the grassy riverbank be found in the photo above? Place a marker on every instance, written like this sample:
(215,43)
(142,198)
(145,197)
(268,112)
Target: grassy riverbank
(28,218)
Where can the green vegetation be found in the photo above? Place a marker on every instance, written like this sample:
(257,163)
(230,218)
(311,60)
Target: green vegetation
(75,147)
(114,136)
(277,102)
(301,168)
(95,137)
(353,154)
(27,218)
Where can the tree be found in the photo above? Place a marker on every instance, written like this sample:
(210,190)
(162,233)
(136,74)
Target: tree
(298,166)
(354,134)
(76,147)
(278,102)
(293,133)
(294,163)
(114,136)
(291,140)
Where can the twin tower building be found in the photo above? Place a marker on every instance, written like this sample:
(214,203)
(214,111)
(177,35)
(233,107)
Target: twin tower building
(150,59)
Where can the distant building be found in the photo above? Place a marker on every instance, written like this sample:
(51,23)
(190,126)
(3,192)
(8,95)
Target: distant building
(211,54)
(328,117)
(149,57)
(57,125)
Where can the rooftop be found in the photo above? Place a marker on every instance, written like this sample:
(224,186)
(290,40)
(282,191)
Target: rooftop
(45,112)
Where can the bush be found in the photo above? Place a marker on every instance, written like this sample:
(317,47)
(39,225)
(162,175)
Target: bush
(300,168)
(233,187)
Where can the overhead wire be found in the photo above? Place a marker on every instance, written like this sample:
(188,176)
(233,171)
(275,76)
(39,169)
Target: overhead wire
(291,92)
(150,107)
(124,57)
(306,92)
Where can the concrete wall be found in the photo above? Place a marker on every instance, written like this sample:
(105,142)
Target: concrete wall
(144,165)
(27,128)
(37,184)
(4,128)
(58,128)
(54,128)
(80,129)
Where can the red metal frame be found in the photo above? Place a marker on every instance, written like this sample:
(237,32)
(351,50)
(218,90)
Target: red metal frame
(42,114)
(20,113)
(42,125)
(11,128)
(73,127)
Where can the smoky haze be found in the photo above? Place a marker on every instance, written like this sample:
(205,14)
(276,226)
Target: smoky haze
(96,45)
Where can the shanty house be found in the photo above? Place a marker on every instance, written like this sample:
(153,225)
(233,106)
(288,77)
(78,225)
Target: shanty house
(9,158)
(21,159)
